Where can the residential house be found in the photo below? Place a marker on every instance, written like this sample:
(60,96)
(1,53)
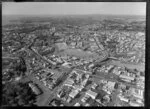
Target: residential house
(73,93)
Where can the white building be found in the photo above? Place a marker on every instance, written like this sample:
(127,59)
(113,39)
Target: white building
(134,104)
(123,99)
(92,94)
(87,104)
(73,93)
(77,104)
(138,93)
(69,82)
(66,64)
(126,77)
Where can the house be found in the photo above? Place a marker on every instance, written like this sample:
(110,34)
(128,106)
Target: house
(66,64)
(126,77)
(87,104)
(134,104)
(94,86)
(85,98)
(92,94)
(73,93)
(61,46)
(73,44)
(84,82)
(111,84)
(35,89)
(127,80)
(17,78)
(109,87)
(137,93)
(90,66)
(109,67)
(77,104)
(69,82)
(123,99)
(78,87)
(69,99)
(91,39)
(107,98)
(139,101)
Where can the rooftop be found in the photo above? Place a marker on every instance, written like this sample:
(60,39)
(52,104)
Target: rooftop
(91,94)
(73,93)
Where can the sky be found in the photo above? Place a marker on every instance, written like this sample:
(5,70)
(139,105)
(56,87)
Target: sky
(80,8)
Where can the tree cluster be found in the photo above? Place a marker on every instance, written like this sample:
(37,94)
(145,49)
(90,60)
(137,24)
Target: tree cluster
(18,94)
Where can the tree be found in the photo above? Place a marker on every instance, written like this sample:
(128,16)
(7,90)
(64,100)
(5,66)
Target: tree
(17,94)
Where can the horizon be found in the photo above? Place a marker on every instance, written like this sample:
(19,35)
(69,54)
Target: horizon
(48,15)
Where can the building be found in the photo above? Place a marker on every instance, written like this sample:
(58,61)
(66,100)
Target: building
(127,77)
(90,66)
(123,99)
(92,94)
(137,93)
(78,87)
(109,67)
(126,80)
(111,84)
(106,98)
(66,64)
(69,82)
(69,99)
(139,101)
(73,93)
(87,104)
(109,87)
(61,46)
(35,89)
(73,44)
(131,103)
(94,86)
(116,71)
(84,99)
(77,104)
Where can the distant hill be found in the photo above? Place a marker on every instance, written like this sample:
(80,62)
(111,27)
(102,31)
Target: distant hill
(71,19)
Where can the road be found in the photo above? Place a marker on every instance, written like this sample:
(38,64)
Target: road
(48,94)
(139,67)
(113,78)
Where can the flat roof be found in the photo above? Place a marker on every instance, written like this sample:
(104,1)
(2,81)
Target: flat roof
(91,93)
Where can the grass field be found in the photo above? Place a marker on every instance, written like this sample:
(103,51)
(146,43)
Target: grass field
(78,53)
